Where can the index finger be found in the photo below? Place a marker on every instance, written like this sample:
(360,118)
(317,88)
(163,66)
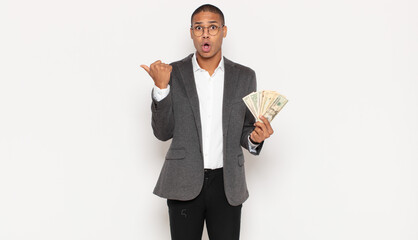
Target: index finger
(262,126)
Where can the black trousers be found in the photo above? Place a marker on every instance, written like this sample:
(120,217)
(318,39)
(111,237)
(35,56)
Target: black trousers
(222,220)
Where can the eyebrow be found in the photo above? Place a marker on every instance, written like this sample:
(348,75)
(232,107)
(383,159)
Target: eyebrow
(209,22)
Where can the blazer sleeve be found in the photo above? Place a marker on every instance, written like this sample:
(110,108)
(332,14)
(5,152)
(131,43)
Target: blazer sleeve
(162,119)
(249,118)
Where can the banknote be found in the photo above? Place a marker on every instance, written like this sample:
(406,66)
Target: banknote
(265,103)
(275,108)
(249,105)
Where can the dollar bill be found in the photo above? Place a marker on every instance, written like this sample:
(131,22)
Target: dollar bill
(275,108)
(249,105)
(266,103)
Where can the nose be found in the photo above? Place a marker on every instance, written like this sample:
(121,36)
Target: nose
(205,32)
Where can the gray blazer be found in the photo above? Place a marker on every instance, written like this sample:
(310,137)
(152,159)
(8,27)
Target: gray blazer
(177,117)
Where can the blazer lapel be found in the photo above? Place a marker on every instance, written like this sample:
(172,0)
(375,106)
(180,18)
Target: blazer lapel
(230,86)
(187,75)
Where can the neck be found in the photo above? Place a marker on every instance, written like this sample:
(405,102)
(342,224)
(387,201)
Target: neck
(209,64)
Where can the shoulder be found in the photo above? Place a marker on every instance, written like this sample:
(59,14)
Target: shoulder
(242,68)
(182,61)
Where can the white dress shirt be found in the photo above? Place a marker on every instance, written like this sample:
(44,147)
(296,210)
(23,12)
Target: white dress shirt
(210,94)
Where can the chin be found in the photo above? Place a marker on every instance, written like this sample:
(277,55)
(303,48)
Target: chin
(207,55)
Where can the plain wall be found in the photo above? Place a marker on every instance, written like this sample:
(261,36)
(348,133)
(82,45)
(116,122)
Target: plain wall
(78,159)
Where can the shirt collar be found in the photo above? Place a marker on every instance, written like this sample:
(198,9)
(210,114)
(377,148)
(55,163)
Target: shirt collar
(196,66)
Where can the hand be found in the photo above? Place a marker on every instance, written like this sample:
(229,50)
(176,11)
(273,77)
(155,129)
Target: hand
(159,72)
(262,130)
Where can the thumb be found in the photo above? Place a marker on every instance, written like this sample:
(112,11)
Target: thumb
(146,68)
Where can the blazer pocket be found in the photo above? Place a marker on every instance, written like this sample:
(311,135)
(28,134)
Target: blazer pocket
(241,159)
(175,154)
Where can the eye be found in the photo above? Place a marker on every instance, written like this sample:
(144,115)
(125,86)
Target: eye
(198,28)
(213,27)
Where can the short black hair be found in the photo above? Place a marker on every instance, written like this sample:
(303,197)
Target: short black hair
(208,8)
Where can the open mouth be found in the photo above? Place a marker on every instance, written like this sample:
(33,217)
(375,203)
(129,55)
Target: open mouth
(206,47)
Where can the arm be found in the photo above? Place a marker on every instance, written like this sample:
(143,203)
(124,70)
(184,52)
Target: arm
(248,127)
(162,121)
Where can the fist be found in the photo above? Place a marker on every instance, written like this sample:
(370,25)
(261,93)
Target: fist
(159,72)
(262,131)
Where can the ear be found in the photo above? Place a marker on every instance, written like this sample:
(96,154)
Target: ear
(191,33)
(225,31)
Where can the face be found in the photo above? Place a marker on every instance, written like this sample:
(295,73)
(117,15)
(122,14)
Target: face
(207,45)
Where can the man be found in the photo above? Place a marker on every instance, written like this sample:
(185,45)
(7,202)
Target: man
(197,102)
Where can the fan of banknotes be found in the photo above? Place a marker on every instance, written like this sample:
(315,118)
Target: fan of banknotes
(266,103)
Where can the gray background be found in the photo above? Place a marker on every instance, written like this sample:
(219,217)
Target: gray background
(78,159)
